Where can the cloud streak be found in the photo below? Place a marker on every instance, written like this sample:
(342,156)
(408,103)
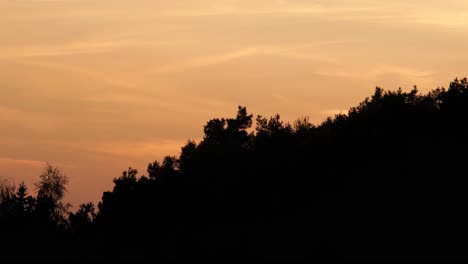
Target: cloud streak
(278,51)
(18,116)
(21,162)
(79,48)
(204,61)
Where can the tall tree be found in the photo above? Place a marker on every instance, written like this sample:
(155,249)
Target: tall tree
(51,189)
(24,202)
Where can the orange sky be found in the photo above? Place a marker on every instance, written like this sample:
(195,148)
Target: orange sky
(95,86)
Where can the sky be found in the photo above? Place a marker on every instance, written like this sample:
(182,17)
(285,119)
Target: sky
(97,86)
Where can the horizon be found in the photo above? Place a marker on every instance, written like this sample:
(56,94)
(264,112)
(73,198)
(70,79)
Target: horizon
(95,88)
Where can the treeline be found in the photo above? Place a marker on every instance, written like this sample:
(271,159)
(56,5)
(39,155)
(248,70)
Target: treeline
(384,181)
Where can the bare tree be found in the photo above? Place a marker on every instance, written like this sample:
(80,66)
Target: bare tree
(7,190)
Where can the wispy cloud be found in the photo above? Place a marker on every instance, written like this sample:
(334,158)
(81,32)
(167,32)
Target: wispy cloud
(402,70)
(87,47)
(247,8)
(151,148)
(204,61)
(331,112)
(21,162)
(97,77)
(138,149)
(292,52)
(18,116)
(365,72)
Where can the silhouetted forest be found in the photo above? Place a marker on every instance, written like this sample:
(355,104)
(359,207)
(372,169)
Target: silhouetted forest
(386,181)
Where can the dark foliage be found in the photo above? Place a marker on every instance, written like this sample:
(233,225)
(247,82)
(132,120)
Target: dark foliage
(384,182)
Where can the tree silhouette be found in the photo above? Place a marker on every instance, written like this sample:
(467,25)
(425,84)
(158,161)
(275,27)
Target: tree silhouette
(51,189)
(25,203)
(81,221)
(384,181)
(7,191)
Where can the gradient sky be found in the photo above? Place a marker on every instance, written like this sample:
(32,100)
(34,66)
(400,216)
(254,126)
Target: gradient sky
(95,86)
